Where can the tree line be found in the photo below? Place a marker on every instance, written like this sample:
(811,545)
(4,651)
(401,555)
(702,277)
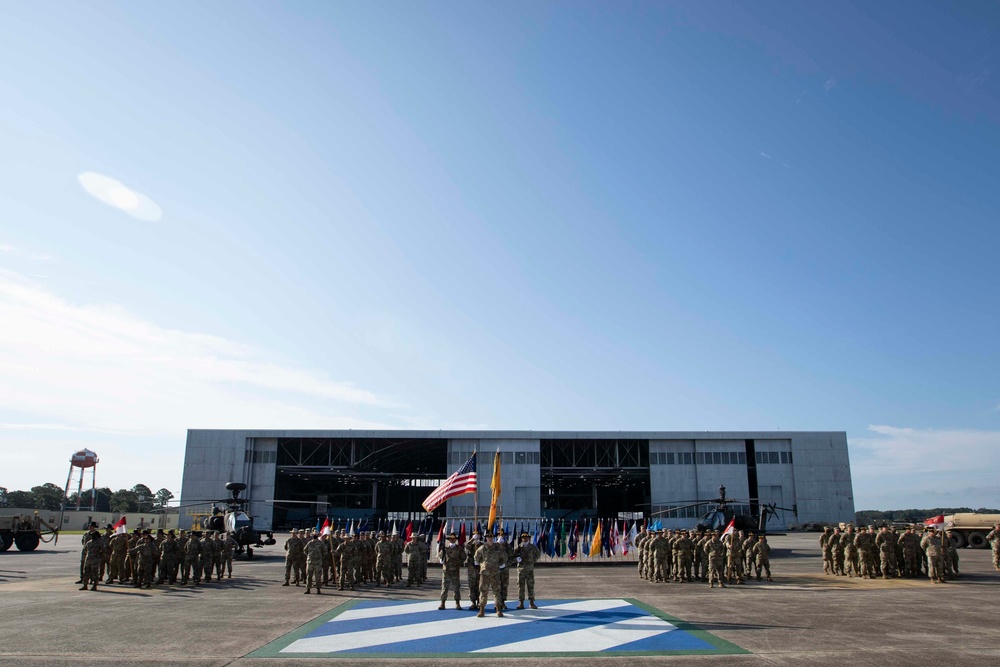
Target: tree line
(48,496)
(877,517)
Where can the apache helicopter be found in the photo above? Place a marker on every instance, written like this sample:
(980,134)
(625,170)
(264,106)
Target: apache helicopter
(719,518)
(236,522)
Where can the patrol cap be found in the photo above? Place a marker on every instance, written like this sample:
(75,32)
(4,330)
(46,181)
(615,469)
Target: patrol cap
(452,536)
(525,535)
(93,524)
(109,527)
(381,533)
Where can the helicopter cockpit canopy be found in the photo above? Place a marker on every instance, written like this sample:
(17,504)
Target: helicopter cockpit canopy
(714,520)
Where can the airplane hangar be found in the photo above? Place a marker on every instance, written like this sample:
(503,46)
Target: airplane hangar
(293,476)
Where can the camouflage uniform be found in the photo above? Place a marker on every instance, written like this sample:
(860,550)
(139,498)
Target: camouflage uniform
(346,555)
(931,544)
(716,551)
(313,552)
(207,556)
(886,544)
(169,551)
(949,557)
(383,561)
(762,557)
(826,546)
(491,558)
(526,555)
(994,539)
(661,551)
(92,555)
(850,550)
(472,570)
(117,548)
(735,557)
(452,559)
(229,548)
(397,558)
(192,560)
(413,555)
(866,556)
(910,544)
(142,555)
(293,553)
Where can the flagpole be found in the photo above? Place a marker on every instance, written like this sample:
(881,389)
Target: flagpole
(475,496)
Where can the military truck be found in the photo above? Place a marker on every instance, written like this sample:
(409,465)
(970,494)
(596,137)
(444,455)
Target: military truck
(25,531)
(969,529)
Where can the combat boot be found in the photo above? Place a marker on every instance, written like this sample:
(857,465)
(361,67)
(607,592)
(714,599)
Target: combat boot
(499,613)
(285,584)
(458,605)
(441,607)
(474,607)
(307,592)
(481,613)
(520,605)
(93,587)
(531,603)
(84,587)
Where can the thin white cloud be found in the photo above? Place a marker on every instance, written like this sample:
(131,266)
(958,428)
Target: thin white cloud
(830,84)
(896,468)
(763,154)
(116,194)
(98,367)
(17,251)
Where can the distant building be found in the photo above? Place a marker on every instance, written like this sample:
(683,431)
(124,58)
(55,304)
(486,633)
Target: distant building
(293,476)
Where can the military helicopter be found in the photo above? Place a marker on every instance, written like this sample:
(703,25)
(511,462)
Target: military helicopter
(236,522)
(719,517)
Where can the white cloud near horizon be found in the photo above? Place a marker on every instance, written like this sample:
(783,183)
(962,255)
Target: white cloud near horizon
(830,84)
(117,195)
(896,468)
(97,367)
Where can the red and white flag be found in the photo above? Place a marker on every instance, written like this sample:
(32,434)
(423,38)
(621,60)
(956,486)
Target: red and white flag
(325,530)
(614,537)
(120,526)
(937,522)
(731,528)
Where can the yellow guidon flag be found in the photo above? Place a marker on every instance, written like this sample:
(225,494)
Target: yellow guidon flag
(495,487)
(595,545)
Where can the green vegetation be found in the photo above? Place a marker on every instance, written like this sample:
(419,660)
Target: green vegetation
(50,497)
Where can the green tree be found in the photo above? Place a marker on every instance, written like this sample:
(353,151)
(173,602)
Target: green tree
(163,496)
(48,496)
(3,496)
(124,501)
(20,499)
(103,500)
(144,496)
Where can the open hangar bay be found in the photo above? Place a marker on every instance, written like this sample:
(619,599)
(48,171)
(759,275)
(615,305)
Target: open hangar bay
(294,476)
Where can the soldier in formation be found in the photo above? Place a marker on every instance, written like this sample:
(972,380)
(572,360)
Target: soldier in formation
(890,553)
(91,558)
(314,563)
(994,540)
(525,556)
(491,558)
(472,569)
(688,555)
(452,558)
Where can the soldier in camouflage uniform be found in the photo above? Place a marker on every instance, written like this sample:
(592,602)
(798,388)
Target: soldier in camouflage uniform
(192,559)
(452,558)
(413,555)
(735,557)
(471,569)
(346,555)
(931,544)
(716,551)
(837,545)
(169,551)
(293,548)
(508,548)
(762,557)
(887,552)
(313,551)
(661,553)
(491,558)
(683,557)
(117,547)
(397,557)
(383,560)
(865,543)
(850,550)
(994,539)
(826,546)
(207,555)
(949,556)
(142,554)
(526,555)
(91,557)
(748,545)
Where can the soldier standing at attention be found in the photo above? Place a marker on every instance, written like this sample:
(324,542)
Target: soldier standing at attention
(293,547)
(413,553)
(314,563)
(887,552)
(383,560)
(91,530)
(716,551)
(949,556)
(452,559)
(168,555)
(345,554)
(931,544)
(850,553)
(762,557)
(826,547)
(192,559)
(229,547)
(734,542)
(397,557)
(471,570)
(117,546)
(508,549)
(206,555)
(144,550)
(526,555)
(491,558)
(837,544)
(91,557)
(994,539)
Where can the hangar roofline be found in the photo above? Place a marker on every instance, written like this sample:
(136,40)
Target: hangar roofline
(512,435)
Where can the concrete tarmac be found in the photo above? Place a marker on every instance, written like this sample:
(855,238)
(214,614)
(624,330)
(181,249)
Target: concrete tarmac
(803,618)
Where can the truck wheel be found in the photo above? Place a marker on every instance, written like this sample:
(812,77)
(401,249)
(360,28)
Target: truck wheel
(958,540)
(6,539)
(977,540)
(26,541)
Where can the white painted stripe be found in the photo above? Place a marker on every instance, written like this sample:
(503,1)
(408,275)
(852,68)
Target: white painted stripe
(593,638)
(450,624)
(381,612)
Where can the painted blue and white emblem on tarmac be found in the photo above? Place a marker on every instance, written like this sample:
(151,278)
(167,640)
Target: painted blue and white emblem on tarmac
(401,629)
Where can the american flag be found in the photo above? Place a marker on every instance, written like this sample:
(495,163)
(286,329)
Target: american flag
(461,481)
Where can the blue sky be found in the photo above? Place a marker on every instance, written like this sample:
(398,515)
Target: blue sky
(579,216)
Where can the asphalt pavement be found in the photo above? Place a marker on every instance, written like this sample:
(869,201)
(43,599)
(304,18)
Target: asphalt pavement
(803,618)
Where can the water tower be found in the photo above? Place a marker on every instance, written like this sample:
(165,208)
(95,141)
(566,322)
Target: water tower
(82,461)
